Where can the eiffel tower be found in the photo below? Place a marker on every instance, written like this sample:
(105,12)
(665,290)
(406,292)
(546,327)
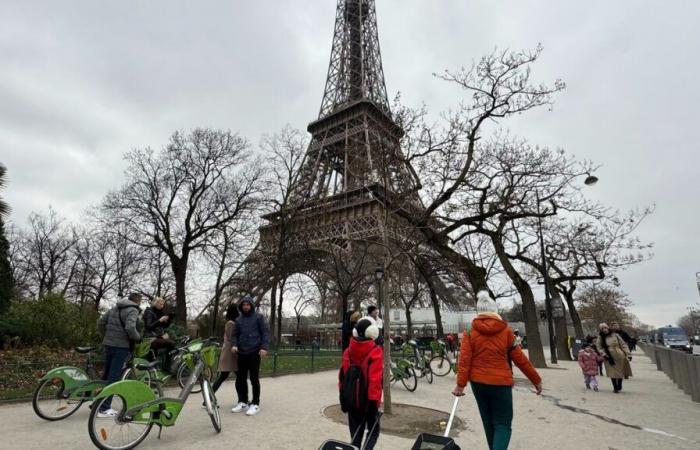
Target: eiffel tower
(353,178)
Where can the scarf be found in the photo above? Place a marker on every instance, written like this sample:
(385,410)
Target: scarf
(604,344)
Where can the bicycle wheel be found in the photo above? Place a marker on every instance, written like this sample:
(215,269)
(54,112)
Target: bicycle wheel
(409,379)
(144,376)
(49,402)
(113,433)
(183,375)
(211,405)
(440,366)
(428,374)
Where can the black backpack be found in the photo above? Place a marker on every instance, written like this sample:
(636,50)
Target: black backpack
(354,387)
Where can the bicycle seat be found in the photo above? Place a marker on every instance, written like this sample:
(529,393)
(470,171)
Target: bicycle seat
(84,350)
(147,366)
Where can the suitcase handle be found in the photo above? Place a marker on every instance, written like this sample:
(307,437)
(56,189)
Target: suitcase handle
(452,416)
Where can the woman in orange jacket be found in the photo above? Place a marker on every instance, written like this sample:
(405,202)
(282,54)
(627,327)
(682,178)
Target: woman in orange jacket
(485,360)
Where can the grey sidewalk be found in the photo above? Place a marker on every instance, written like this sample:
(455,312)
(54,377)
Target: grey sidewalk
(651,413)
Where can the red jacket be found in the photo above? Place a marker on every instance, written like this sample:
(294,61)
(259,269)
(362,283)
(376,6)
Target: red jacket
(483,355)
(589,362)
(373,366)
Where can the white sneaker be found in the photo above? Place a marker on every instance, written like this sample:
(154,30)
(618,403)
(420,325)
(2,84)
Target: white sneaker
(108,413)
(252,410)
(239,407)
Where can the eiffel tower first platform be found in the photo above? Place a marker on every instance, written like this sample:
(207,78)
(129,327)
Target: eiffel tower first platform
(354,188)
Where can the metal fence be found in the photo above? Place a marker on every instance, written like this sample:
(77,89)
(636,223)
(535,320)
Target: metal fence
(682,368)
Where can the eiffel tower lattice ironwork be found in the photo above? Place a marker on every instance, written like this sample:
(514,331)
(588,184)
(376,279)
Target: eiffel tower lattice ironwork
(353,176)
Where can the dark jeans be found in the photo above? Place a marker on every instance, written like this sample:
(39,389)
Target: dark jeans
(358,423)
(248,366)
(221,379)
(496,409)
(115,359)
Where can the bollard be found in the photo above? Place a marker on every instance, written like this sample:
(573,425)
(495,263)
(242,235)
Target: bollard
(695,375)
(657,359)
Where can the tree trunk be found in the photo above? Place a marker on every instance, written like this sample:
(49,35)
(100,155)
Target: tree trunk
(435,301)
(562,339)
(279,312)
(532,332)
(180,273)
(387,346)
(560,329)
(409,323)
(273,312)
(575,318)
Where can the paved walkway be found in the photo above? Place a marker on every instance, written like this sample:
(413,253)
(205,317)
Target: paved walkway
(651,413)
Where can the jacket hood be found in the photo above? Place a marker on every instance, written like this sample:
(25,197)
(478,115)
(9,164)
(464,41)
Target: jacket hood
(487,324)
(248,300)
(126,303)
(359,349)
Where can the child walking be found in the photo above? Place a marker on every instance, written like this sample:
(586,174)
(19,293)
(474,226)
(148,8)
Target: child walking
(588,361)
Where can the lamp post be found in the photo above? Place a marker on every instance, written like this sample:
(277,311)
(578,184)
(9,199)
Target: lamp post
(589,181)
(545,274)
(379,275)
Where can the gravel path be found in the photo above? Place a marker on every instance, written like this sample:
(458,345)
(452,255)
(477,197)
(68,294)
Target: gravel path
(651,413)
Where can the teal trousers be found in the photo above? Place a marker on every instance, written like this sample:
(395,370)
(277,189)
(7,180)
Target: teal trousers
(496,410)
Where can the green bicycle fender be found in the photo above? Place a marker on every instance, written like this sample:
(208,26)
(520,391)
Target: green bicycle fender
(133,392)
(72,377)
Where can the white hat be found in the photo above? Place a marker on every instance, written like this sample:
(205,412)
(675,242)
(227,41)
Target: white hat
(366,329)
(484,303)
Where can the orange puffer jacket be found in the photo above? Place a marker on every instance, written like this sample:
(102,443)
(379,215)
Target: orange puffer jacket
(483,356)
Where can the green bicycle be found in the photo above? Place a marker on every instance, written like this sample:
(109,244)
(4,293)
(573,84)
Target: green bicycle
(62,390)
(441,364)
(138,407)
(403,371)
(419,360)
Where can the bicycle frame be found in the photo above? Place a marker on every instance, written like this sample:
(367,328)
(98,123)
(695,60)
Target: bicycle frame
(142,404)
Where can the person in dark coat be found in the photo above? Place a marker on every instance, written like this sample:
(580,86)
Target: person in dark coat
(251,342)
(622,333)
(156,323)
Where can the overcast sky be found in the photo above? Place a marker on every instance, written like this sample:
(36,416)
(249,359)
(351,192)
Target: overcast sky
(81,82)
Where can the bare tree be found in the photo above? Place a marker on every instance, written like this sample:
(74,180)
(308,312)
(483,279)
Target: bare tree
(173,200)
(42,255)
(285,153)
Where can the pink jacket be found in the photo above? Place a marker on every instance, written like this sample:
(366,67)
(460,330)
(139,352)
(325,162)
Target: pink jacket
(589,362)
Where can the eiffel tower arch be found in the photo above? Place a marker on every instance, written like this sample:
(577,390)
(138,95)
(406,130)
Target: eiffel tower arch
(354,190)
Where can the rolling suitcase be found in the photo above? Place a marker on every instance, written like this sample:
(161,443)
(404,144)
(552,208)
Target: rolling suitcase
(427,441)
(338,445)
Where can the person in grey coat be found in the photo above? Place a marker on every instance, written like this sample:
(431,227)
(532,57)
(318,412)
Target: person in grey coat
(118,326)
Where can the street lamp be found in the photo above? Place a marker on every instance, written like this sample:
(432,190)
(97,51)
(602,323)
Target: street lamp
(589,181)
(379,275)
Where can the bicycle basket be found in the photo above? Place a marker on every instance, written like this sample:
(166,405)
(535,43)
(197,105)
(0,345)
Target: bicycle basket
(142,348)
(210,356)
(437,346)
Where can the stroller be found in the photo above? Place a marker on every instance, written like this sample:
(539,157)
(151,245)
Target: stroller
(338,445)
(427,441)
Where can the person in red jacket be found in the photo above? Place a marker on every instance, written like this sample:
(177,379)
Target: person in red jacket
(364,352)
(484,359)
(588,361)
